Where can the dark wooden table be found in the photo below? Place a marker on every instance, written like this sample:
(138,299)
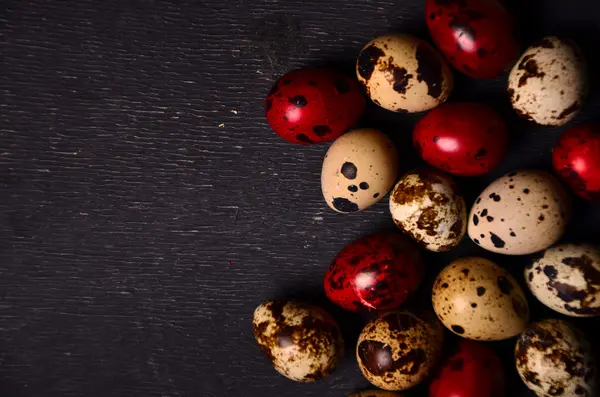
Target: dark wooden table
(146,208)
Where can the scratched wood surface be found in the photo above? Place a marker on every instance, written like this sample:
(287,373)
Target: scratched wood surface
(146,208)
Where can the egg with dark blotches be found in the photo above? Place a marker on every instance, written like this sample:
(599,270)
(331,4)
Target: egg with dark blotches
(376,393)
(566,278)
(399,350)
(428,206)
(359,169)
(554,359)
(520,213)
(302,341)
(477,299)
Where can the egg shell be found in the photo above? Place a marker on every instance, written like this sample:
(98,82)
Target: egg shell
(302,341)
(359,169)
(549,82)
(566,278)
(427,205)
(377,272)
(520,213)
(555,359)
(376,393)
(477,299)
(403,73)
(399,350)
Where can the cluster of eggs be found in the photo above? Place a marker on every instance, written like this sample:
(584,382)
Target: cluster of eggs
(523,212)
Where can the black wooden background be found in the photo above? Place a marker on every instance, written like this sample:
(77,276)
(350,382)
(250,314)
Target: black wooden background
(146,208)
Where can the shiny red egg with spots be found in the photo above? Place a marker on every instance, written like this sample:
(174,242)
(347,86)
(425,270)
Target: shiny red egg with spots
(476,36)
(576,158)
(377,272)
(473,370)
(462,138)
(314,105)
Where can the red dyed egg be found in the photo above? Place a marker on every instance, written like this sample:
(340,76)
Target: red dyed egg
(474,370)
(576,158)
(377,272)
(462,138)
(314,105)
(476,36)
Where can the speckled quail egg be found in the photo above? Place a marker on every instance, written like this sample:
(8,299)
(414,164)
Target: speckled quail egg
(399,350)
(427,205)
(549,83)
(375,393)
(566,278)
(359,169)
(554,359)
(403,73)
(520,213)
(302,341)
(477,299)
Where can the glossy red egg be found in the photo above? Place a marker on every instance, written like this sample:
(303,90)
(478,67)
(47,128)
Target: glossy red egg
(473,370)
(576,158)
(462,138)
(377,272)
(476,36)
(314,105)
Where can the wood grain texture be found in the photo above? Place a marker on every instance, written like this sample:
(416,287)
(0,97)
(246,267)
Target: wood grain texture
(146,208)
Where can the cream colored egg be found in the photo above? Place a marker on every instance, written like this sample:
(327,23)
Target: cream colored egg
(549,83)
(302,341)
(403,73)
(566,278)
(376,393)
(520,213)
(477,299)
(399,350)
(427,205)
(359,169)
(555,359)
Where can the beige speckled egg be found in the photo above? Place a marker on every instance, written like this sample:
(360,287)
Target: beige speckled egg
(427,205)
(554,359)
(477,299)
(302,341)
(566,278)
(375,393)
(520,213)
(549,83)
(399,350)
(359,169)
(403,73)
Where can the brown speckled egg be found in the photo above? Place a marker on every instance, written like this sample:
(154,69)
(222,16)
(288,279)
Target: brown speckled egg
(399,350)
(520,213)
(566,278)
(477,299)
(403,73)
(427,205)
(359,169)
(554,359)
(549,83)
(302,341)
(375,393)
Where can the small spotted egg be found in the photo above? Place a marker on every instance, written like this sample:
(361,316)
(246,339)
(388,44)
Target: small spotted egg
(399,349)
(427,205)
(376,393)
(549,83)
(477,299)
(359,169)
(554,359)
(302,341)
(403,73)
(520,213)
(566,278)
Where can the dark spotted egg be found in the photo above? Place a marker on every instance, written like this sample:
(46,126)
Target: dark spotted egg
(403,73)
(399,350)
(520,213)
(359,169)
(566,278)
(477,299)
(302,341)
(555,359)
